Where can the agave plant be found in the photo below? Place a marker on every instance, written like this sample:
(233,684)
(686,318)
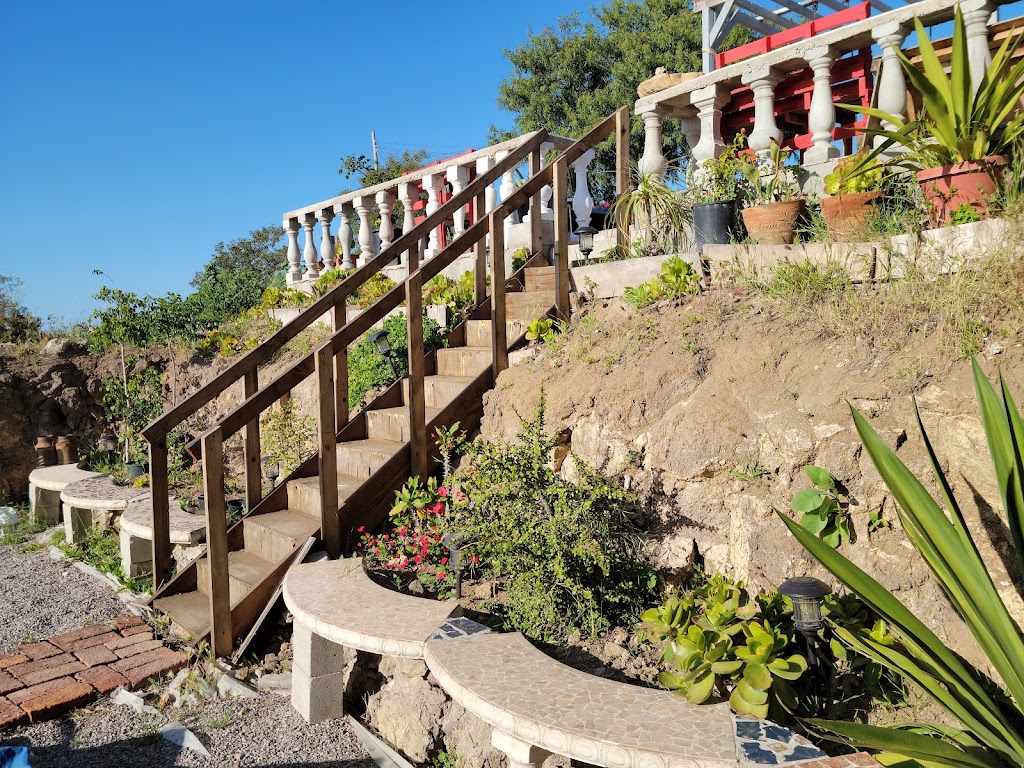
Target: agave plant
(960,120)
(991,714)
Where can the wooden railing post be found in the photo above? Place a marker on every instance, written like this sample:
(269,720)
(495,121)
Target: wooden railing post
(536,208)
(221,640)
(158,485)
(480,247)
(621,164)
(561,202)
(253,470)
(499,344)
(328,440)
(338,319)
(417,401)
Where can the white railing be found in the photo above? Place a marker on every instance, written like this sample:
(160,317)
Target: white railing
(355,211)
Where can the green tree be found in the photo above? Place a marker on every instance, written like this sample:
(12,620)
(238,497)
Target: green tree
(393,166)
(568,78)
(16,322)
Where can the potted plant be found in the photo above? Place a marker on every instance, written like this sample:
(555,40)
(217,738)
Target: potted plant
(957,146)
(654,217)
(851,195)
(776,204)
(715,188)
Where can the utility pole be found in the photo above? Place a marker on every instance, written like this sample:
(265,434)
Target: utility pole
(373,139)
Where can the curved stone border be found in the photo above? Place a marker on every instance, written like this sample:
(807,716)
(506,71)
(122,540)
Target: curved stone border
(100,493)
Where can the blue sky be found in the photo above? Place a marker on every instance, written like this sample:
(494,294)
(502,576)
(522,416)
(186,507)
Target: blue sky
(136,136)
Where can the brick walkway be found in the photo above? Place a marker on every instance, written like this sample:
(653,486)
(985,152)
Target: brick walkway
(46,679)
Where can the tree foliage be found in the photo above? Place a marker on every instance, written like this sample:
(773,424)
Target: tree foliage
(568,78)
(16,322)
(393,166)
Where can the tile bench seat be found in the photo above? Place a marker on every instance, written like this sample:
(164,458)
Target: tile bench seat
(45,485)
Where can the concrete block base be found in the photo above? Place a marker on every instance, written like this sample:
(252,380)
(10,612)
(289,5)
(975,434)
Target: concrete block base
(318,678)
(43,505)
(136,555)
(76,523)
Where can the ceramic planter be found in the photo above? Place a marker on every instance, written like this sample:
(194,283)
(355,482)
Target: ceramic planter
(847,215)
(774,223)
(713,223)
(947,187)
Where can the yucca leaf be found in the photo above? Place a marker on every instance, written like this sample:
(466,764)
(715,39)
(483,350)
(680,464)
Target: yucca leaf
(960,69)
(1015,515)
(911,745)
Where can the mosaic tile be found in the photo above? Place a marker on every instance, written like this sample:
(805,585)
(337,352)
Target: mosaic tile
(457,627)
(762,742)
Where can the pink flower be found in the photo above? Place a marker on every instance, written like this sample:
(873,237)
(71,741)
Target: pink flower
(442,492)
(416,559)
(361,528)
(474,559)
(444,561)
(442,575)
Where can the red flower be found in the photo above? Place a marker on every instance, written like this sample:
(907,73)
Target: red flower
(361,528)
(444,561)
(442,575)
(474,559)
(442,492)
(416,559)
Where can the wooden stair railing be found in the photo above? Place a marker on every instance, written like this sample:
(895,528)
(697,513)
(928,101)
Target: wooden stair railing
(246,368)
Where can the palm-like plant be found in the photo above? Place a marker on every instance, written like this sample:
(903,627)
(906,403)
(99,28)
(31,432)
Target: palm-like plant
(992,715)
(960,120)
(657,215)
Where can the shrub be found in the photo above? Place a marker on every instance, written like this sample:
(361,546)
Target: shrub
(367,370)
(372,290)
(288,439)
(17,324)
(568,555)
(134,409)
(677,280)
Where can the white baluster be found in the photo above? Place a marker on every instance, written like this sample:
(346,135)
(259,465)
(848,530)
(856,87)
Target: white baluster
(582,202)
(762,82)
(821,119)
(709,102)
(546,192)
(364,206)
(385,203)
(291,227)
(459,178)
(690,126)
(483,165)
(432,186)
(408,193)
(309,253)
(891,85)
(505,190)
(977,14)
(344,213)
(652,161)
(326,241)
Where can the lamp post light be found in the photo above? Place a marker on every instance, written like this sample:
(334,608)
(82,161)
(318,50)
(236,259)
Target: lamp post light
(586,236)
(379,339)
(108,443)
(806,593)
(454,542)
(271,470)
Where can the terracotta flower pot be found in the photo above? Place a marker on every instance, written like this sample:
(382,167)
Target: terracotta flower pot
(947,187)
(775,223)
(847,215)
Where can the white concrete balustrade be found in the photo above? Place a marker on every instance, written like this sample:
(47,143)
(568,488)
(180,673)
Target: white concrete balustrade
(363,223)
(698,102)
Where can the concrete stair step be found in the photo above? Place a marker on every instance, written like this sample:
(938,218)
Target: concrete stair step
(245,571)
(478,332)
(527,305)
(540,279)
(463,361)
(361,458)
(392,423)
(189,613)
(438,391)
(304,494)
(275,535)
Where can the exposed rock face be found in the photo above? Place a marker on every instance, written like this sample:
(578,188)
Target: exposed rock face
(715,424)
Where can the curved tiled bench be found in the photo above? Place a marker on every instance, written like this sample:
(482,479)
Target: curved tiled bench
(335,603)
(45,485)
(95,501)
(187,532)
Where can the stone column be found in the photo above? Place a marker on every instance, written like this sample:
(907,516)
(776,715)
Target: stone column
(822,116)
(326,243)
(582,202)
(762,82)
(364,206)
(977,14)
(408,194)
(318,680)
(291,227)
(344,214)
(652,162)
(891,84)
(432,185)
(309,253)
(709,102)
(459,178)
(521,754)
(385,203)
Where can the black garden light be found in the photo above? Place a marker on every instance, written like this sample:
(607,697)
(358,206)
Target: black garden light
(108,443)
(379,339)
(586,236)
(806,594)
(271,471)
(454,542)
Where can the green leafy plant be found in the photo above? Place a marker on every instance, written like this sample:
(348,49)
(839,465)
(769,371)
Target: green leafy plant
(412,502)
(654,216)
(288,438)
(370,292)
(825,514)
(770,180)
(539,329)
(991,714)
(965,213)
(960,120)
(641,295)
(722,178)
(132,403)
(843,181)
(677,280)
(368,370)
(519,258)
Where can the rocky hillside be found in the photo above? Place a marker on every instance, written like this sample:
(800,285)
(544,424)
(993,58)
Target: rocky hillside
(711,410)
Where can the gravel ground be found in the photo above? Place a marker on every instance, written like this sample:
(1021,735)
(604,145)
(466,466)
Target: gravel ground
(40,597)
(253,732)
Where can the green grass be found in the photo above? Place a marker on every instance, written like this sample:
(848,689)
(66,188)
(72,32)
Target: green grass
(21,533)
(101,548)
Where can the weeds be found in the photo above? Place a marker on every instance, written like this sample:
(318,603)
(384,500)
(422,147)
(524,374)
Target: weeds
(19,534)
(101,548)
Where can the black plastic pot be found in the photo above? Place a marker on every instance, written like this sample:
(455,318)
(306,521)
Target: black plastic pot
(714,223)
(136,470)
